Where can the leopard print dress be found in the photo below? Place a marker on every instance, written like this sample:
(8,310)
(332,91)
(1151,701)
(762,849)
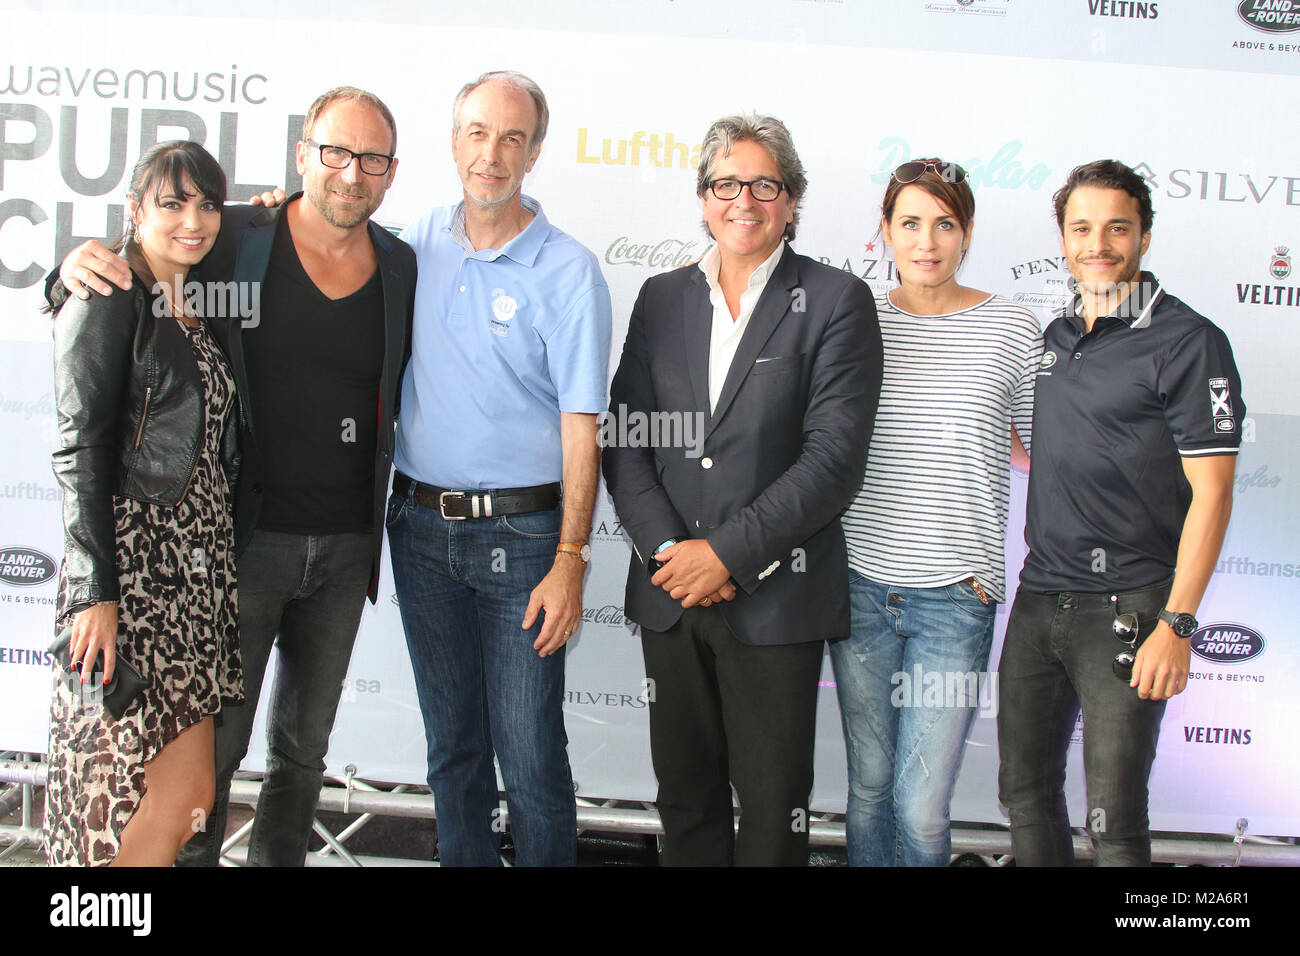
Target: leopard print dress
(177,624)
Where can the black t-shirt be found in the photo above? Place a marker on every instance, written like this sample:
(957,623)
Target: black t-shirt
(1115,411)
(314,366)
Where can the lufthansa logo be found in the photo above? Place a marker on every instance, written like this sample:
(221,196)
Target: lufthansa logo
(26,567)
(1227,643)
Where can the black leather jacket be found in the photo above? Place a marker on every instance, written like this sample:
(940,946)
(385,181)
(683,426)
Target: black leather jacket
(131,404)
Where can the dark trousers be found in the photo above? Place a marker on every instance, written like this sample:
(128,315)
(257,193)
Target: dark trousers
(303,594)
(1056,659)
(724,713)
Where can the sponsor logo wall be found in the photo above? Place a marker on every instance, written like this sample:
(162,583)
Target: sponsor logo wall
(618,172)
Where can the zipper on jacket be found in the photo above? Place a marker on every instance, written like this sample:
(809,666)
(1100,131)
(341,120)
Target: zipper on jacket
(144,413)
(193,471)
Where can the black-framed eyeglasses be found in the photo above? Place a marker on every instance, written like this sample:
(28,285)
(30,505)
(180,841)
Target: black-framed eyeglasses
(1125,627)
(764,190)
(912,171)
(339,157)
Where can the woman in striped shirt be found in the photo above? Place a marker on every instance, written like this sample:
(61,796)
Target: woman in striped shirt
(925,534)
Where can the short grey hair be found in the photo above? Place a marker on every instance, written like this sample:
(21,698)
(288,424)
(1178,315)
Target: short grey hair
(519,82)
(348,94)
(770,133)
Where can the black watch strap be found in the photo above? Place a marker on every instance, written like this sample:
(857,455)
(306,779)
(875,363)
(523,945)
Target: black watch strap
(1184,625)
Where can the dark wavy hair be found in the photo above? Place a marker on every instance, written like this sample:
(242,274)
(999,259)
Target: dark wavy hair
(1106,174)
(167,166)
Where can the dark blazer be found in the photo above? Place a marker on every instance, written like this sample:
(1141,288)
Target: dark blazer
(241,253)
(783,454)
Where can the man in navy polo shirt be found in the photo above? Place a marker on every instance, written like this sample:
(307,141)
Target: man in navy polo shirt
(499,404)
(1137,420)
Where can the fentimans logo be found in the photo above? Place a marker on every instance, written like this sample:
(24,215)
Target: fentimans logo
(1227,643)
(26,567)
(1270,16)
(1280,265)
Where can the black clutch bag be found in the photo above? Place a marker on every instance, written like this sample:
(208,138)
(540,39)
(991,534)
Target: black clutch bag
(126,685)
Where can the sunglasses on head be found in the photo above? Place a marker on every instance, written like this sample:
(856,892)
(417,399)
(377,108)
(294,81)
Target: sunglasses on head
(911,172)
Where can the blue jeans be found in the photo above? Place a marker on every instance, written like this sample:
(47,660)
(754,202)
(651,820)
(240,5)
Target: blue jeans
(909,679)
(463,588)
(1056,660)
(304,595)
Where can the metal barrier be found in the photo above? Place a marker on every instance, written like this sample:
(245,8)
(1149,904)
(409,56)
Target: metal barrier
(350,795)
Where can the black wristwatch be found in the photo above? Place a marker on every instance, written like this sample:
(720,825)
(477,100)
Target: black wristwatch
(1184,625)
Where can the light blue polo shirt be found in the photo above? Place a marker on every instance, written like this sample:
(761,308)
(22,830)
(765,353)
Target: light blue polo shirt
(504,340)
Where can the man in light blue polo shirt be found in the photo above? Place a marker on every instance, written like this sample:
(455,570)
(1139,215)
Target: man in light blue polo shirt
(499,405)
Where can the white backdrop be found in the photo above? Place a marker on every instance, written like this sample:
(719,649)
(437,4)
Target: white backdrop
(1190,93)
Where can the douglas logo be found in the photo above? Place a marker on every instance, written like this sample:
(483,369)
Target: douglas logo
(25,567)
(1227,643)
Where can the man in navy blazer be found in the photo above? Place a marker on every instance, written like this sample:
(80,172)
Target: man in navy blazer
(739,571)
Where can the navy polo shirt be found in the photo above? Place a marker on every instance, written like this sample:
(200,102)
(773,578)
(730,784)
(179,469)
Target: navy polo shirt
(1115,411)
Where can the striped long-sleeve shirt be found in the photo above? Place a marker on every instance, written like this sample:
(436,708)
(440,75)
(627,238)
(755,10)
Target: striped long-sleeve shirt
(933,504)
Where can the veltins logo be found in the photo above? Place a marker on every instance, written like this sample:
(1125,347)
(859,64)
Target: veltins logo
(26,567)
(1260,293)
(1227,643)
(1279,266)
(1270,16)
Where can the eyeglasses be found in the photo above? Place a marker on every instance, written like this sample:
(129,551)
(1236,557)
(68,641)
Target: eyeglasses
(911,172)
(338,157)
(1125,627)
(764,190)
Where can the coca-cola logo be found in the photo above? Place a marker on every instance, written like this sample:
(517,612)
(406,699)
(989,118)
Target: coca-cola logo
(1227,643)
(1271,16)
(610,614)
(664,254)
(26,567)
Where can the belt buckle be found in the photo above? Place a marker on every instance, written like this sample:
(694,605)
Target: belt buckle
(442,506)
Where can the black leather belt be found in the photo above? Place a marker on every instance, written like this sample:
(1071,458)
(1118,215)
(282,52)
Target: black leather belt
(459,505)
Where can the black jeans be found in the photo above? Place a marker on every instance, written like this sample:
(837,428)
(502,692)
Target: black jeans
(304,594)
(1056,659)
(723,713)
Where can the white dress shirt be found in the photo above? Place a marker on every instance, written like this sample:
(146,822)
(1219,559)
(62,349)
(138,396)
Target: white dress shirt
(727,332)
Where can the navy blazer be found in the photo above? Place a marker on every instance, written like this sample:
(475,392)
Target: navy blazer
(242,253)
(783,453)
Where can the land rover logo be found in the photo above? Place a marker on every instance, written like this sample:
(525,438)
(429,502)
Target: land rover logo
(1227,643)
(26,567)
(1271,16)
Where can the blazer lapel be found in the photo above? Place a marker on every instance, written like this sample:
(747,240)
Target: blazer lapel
(772,307)
(697,313)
